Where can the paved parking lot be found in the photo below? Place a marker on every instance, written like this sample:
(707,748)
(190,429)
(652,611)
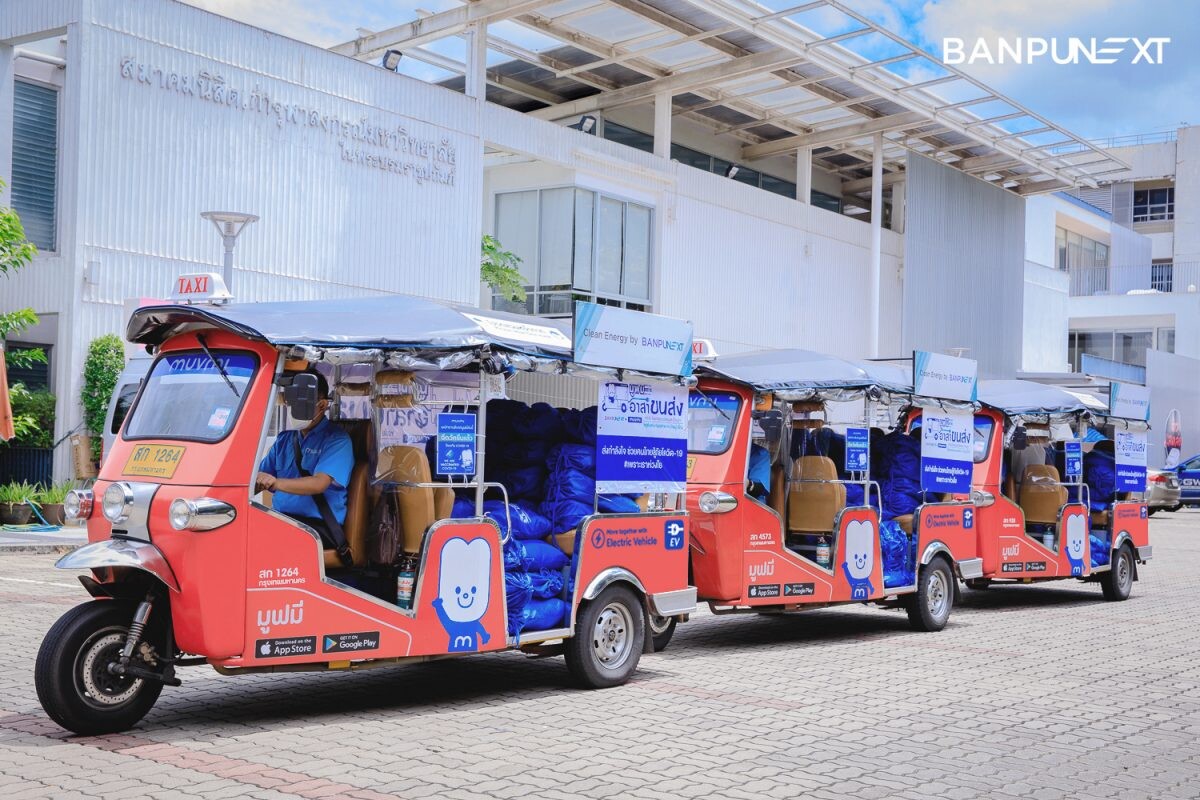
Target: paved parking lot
(1029,692)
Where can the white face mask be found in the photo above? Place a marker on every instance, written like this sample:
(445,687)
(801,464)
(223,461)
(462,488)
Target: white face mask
(298,423)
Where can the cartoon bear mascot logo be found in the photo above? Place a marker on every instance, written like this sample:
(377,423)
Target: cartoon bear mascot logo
(860,558)
(464,586)
(1075,535)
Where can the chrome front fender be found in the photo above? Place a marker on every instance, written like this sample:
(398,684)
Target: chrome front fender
(121,553)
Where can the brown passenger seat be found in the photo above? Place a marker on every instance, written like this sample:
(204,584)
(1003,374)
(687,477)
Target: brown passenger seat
(358,505)
(778,497)
(1041,494)
(417,507)
(905,521)
(812,506)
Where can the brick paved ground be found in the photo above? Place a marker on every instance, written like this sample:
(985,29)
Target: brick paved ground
(1030,692)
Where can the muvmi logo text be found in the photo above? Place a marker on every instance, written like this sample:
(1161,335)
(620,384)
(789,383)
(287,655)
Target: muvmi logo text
(1070,50)
(292,614)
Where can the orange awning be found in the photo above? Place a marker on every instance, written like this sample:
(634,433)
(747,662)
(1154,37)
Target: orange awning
(6,416)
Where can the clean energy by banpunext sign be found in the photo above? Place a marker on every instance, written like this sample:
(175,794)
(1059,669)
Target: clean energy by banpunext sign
(944,377)
(607,336)
(1129,401)
(641,438)
(947,436)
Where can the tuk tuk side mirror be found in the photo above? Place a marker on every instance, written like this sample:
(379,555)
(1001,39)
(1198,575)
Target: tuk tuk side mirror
(300,394)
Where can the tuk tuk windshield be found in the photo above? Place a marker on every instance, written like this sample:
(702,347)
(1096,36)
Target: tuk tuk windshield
(711,418)
(190,396)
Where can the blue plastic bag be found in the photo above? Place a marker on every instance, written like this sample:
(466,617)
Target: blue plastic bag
(899,568)
(540,421)
(544,615)
(521,482)
(538,555)
(580,426)
(526,523)
(518,590)
(577,457)
(570,484)
(546,583)
(1100,474)
(1100,552)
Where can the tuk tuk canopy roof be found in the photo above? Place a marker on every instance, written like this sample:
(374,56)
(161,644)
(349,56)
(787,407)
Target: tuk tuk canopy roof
(795,374)
(1017,397)
(389,322)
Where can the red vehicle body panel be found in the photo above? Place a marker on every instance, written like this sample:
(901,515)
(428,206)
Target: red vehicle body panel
(253,592)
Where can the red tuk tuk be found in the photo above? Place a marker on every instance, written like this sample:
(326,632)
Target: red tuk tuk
(1047,504)
(189,566)
(805,531)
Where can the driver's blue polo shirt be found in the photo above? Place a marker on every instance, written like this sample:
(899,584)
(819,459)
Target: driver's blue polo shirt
(326,449)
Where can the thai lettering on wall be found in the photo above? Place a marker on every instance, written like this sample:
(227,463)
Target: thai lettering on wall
(390,148)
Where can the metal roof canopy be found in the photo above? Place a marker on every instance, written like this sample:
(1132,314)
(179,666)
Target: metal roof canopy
(764,76)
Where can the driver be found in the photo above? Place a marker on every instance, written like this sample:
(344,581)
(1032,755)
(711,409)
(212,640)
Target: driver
(308,466)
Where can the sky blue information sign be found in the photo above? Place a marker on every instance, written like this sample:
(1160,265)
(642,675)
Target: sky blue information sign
(455,444)
(858,449)
(1073,455)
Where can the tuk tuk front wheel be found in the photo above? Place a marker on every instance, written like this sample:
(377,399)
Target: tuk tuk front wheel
(73,682)
(1117,583)
(929,608)
(609,635)
(661,631)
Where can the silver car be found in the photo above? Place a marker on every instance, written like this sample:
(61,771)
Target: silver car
(1162,490)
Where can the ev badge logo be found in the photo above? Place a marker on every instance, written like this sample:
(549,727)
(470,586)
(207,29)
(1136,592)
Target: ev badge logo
(1143,512)
(968,518)
(598,538)
(673,534)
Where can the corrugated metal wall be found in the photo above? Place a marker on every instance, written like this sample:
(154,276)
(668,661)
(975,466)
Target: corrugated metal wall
(964,270)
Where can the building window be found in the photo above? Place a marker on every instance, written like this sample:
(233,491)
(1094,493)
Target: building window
(35,161)
(576,244)
(1127,347)
(628,136)
(1162,276)
(1154,205)
(1075,250)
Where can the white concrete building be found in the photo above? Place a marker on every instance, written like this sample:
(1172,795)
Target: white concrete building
(131,119)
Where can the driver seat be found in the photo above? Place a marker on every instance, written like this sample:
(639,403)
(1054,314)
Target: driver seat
(358,505)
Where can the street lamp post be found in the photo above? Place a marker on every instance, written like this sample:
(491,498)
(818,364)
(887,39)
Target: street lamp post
(229,224)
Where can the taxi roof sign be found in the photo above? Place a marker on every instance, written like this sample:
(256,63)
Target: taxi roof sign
(703,350)
(200,287)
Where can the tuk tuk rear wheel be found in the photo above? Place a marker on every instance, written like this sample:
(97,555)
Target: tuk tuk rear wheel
(71,677)
(929,608)
(661,630)
(1117,583)
(609,635)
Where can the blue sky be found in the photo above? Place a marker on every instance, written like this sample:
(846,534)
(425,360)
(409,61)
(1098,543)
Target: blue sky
(1092,100)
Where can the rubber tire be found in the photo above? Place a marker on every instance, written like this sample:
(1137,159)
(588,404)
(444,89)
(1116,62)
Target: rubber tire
(54,672)
(1154,510)
(979,584)
(920,617)
(663,638)
(586,670)
(1111,581)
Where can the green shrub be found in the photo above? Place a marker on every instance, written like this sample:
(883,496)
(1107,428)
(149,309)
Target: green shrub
(101,368)
(18,492)
(33,417)
(54,494)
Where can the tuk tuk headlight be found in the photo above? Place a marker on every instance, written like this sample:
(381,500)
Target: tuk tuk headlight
(117,502)
(201,514)
(78,504)
(717,502)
